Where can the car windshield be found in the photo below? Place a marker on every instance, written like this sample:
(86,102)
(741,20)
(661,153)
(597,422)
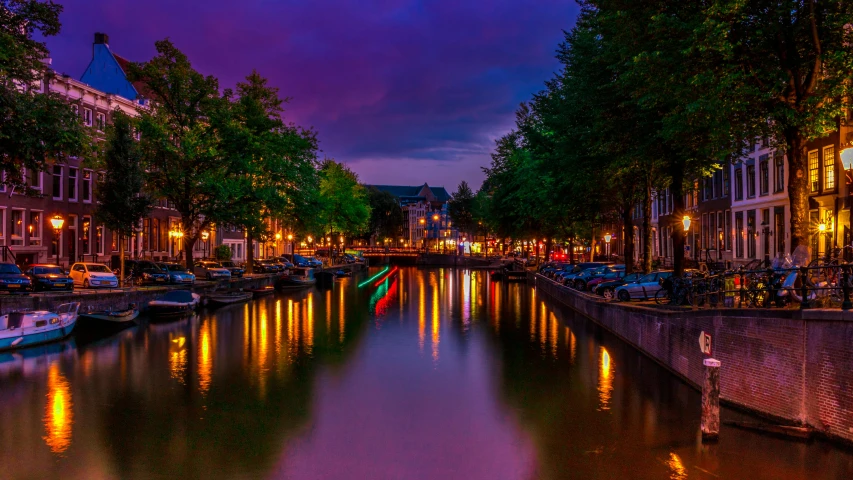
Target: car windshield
(211,265)
(98,268)
(47,270)
(9,268)
(173,267)
(633,277)
(648,278)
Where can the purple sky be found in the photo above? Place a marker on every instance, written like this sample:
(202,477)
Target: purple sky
(405,92)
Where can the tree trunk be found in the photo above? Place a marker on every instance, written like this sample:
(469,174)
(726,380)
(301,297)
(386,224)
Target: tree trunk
(120,258)
(648,241)
(250,252)
(189,243)
(798,187)
(677,190)
(628,236)
(592,246)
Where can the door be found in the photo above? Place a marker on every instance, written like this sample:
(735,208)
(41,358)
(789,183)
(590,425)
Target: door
(77,274)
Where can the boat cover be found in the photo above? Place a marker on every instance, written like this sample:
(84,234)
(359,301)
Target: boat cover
(178,296)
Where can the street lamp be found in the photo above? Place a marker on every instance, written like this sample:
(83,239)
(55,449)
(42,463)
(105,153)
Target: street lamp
(57,222)
(607,238)
(686,222)
(205,235)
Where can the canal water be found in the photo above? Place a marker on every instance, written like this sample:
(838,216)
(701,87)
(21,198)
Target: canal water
(431,374)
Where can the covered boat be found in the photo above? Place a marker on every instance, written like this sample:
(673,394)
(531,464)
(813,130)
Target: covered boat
(22,329)
(176,303)
(227,298)
(297,279)
(262,291)
(113,316)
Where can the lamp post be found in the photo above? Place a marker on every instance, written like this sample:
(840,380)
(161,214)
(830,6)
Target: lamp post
(277,239)
(607,238)
(57,222)
(290,240)
(205,235)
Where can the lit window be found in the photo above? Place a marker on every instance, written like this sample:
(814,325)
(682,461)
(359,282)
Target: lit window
(829,168)
(814,171)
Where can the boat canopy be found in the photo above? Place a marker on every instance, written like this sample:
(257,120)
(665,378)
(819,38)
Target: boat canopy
(179,296)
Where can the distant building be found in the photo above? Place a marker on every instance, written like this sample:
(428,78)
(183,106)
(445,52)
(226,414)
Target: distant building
(425,210)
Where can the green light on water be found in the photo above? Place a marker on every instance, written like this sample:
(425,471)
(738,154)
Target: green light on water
(373,277)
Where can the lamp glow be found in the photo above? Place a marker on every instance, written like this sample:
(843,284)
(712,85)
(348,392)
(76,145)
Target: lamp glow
(686,222)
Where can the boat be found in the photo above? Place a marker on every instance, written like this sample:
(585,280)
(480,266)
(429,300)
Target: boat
(297,279)
(227,298)
(23,329)
(176,303)
(113,316)
(342,274)
(262,291)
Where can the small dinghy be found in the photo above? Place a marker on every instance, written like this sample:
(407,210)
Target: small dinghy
(261,292)
(176,303)
(227,298)
(22,329)
(113,316)
(298,279)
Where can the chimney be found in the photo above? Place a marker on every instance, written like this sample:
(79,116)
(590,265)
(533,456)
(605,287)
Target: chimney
(102,39)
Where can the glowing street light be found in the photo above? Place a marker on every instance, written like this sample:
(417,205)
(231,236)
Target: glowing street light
(57,222)
(686,222)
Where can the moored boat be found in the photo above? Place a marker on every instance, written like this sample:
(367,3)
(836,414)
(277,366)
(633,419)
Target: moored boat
(176,303)
(298,278)
(22,329)
(342,274)
(113,316)
(262,291)
(227,298)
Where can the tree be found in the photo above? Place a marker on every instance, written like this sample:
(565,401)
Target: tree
(179,141)
(35,127)
(461,208)
(121,202)
(790,61)
(344,206)
(386,216)
(270,163)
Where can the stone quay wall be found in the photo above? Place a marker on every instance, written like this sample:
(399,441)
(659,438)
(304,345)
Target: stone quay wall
(793,366)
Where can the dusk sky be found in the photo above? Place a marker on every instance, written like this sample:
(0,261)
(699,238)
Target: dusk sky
(403,91)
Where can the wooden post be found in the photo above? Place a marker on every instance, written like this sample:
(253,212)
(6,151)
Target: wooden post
(711,400)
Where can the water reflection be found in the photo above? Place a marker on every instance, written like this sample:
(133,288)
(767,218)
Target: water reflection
(338,384)
(58,412)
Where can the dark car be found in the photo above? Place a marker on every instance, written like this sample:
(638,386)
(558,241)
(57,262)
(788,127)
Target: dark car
(45,276)
(268,266)
(12,280)
(236,270)
(145,272)
(607,289)
(177,273)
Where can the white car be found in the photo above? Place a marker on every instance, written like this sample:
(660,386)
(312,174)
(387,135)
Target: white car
(93,275)
(211,270)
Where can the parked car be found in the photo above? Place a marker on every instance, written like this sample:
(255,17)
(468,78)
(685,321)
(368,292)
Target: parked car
(177,273)
(581,281)
(574,269)
(211,270)
(145,272)
(268,266)
(12,280)
(44,276)
(92,275)
(297,260)
(607,287)
(349,258)
(644,288)
(235,269)
(313,262)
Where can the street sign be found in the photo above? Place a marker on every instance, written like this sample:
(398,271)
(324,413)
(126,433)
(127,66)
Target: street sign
(705,343)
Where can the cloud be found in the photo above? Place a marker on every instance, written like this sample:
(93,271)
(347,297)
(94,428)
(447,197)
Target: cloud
(384,82)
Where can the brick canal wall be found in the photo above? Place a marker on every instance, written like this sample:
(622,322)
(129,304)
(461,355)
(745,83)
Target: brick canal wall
(791,365)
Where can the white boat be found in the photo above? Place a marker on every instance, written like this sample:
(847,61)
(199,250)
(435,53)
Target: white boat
(227,298)
(176,303)
(298,278)
(22,329)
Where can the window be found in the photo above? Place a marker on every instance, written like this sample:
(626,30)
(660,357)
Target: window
(2,226)
(718,184)
(750,181)
(780,174)
(727,229)
(76,110)
(764,175)
(87,186)
(779,214)
(87,117)
(34,228)
(33,179)
(72,184)
(829,168)
(708,190)
(71,225)
(2,179)
(726,182)
(814,171)
(86,229)
(739,234)
(57,182)
(765,142)
(17,227)
(101,121)
(738,184)
(750,233)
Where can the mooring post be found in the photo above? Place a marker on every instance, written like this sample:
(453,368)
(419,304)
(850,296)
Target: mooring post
(711,400)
